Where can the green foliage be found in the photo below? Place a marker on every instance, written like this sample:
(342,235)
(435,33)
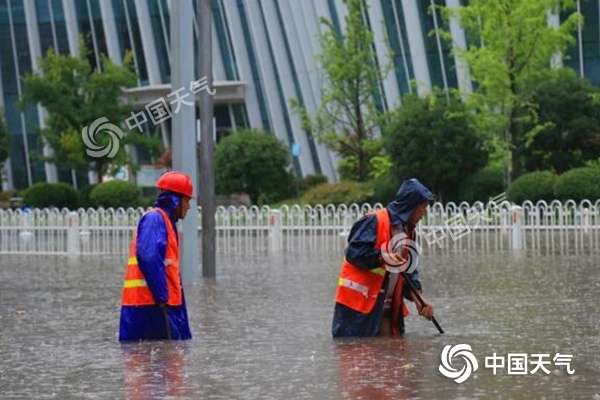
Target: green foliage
(384,188)
(347,117)
(578,184)
(482,185)
(116,194)
(75,95)
(431,138)
(532,186)
(85,199)
(570,114)
(256,163)
(380,166)
(344,192)
(593,163)
(512,44)
(60,195)
(312,180)
(146,202)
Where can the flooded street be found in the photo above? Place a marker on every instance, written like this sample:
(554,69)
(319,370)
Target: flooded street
(262,331)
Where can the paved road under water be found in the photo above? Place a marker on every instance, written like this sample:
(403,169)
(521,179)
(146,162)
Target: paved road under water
(262,331)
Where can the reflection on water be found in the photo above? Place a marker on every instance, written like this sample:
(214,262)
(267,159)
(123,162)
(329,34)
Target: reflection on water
(381,368)
(262,331)
(154,370)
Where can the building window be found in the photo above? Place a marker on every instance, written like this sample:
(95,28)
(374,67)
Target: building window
(590,42)
(240,114)
(223,122)
(158,17)
(224,41)
(439,67)
(22,125)
(46,27)
(254,67)
(396,31)
(90,26)
(297,89)
(282,101)
(128,33)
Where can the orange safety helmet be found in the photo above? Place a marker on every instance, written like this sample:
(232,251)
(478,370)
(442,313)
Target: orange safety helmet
(176,182)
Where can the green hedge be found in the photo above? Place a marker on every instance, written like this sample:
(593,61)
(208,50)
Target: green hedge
(482,185)
(85,200)
(116,194)
(345,192)
(384,188)
(532,186)
(578,184)
(310,181)
(43,194)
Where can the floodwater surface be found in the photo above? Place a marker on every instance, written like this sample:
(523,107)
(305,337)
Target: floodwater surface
(262,331)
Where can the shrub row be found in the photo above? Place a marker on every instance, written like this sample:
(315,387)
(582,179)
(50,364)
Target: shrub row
(108,194)
(345,192)
(577,184)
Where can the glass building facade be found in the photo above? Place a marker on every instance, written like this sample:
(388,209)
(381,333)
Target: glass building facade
(265,47)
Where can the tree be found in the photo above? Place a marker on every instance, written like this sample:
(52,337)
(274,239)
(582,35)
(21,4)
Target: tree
(75,95)
(432,138)
(347,117)
(511,43)
(4,143)
(569,110)
(253,162)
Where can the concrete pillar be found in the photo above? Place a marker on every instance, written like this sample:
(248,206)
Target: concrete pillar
(183,132)
(72,220)
(517,228)
(275,232)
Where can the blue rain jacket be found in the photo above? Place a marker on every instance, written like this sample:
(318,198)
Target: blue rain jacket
(148,322)
(362,253)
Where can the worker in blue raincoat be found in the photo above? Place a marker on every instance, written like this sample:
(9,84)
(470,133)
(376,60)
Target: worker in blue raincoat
(153,304)
(371,291)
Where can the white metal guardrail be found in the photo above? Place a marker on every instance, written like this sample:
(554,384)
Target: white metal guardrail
(551,227)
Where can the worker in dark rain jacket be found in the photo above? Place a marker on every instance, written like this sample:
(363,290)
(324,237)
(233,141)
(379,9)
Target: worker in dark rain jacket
(153,304)
(371,291)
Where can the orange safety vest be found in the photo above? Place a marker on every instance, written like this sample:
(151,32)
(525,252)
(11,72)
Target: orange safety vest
(358,288)
(135,288)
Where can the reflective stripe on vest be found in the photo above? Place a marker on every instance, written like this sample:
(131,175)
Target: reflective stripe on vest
(358,288)
(135,288)
(134,283)
(130,283)
(354,286)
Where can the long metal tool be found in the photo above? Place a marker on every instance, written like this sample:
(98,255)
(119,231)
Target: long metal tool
(420,299)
